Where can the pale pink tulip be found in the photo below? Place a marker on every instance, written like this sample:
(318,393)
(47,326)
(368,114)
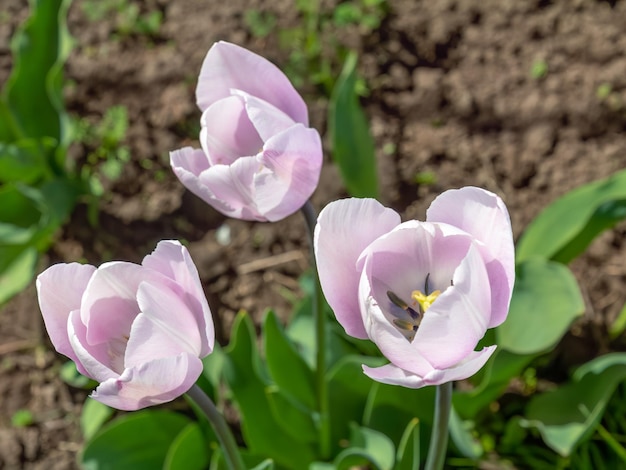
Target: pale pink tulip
(259,159)
(139,330)
(424,292)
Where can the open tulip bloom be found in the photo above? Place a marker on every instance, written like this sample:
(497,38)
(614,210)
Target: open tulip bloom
(424,292)
(259,159)
(139,330)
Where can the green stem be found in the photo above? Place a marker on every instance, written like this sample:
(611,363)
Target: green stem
(439,436)
(225,436)
(320,327)
(612,442)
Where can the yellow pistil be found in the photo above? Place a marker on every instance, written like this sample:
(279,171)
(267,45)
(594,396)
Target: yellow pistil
(425,301)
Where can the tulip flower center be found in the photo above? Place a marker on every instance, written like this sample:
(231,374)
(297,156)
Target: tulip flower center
(409,321)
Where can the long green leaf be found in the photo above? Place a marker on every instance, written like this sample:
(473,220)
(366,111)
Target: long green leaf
(287,368)
(565,228)
(352,143)
(33,92)
(262,433)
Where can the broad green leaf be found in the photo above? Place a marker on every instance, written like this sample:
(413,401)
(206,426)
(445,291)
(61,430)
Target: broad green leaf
(496,375)
(390,408)
(134,441)
(546,299)
(93,416)
(188,451)
(34,90)
(408,454)
(565,228)
(294,418)
(568,415)
(262,433)
(352,143)
(20,215)
(17,267)
(461,436)
(288,370)
(348,389)
(368,444)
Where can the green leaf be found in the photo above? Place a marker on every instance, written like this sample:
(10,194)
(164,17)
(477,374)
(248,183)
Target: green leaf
(265,465)
(390,408)
(568,415)
(34,90)
(461,436)
(243,374)
(287,368)
(348,389)
(370,445)
(17,267)
(93,416)
(135,441)
(408,454)
(496,375)
(352,143)
(188,451)
(24,161)
(20,215)
(546,299)
(293,417)
(565,228)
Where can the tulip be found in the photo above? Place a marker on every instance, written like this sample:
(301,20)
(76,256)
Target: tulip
(139,330)
(424,292)
(259,159)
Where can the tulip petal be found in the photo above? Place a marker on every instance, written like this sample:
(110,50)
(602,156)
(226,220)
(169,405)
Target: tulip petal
(164,328)
(344,229)
(393,375)
(109,303)
(60,289)
(483,215)
(266,118)
(228,67)
(101,361)
(188,165)
(172,259)
(458,319)
(294,160)
(234,186)
(227,132)
(153,383)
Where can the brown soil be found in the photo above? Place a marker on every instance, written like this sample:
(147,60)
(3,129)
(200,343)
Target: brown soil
(451,92)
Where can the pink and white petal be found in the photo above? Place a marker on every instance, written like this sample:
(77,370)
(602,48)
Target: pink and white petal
(294,160)
(109,304)
(173,260)
(483,215)
(189,165)
(169,317)
(59,290)
(227,132)
(153,383)
(97,361)
(344,229)
(463,370)
(234,186)
(227,67)
(393,375)
(267,119)
(458,319)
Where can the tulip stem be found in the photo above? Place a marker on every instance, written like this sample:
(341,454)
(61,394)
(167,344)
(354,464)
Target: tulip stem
(439,436)
(222,431)
(320,328)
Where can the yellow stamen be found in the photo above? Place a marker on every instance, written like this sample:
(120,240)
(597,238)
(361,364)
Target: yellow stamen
(425,301)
